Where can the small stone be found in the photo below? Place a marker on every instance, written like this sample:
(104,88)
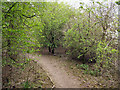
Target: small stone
(54,54)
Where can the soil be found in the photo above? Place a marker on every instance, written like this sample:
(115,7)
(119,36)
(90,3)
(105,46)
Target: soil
(55,71)
(15,77)
(65,73)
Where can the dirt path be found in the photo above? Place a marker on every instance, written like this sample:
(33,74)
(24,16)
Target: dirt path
(59,76)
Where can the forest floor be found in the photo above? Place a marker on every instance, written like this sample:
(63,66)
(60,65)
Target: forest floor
(16,77)
(65,73)
(54,71)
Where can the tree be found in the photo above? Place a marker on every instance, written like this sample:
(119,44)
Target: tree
(16,34)
(117,2)
(87,38)
(53,17)
(106,17)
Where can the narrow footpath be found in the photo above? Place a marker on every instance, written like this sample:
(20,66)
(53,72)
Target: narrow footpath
(58,75)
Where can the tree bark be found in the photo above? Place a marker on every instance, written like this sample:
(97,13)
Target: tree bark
(8,44)
(53,45)
(103,36)
(53,50)
(49,49)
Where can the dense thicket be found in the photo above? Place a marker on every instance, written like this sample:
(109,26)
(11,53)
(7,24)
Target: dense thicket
(28,25)
(87,33)
(92,36)
(53,17)
(16,34)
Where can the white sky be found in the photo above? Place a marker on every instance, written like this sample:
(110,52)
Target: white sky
(75,3)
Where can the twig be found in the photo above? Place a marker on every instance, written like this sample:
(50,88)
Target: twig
(28,16)
(108,44)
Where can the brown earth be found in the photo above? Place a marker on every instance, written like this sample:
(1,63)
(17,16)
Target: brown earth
(15,77)
(65,73)
(56,71)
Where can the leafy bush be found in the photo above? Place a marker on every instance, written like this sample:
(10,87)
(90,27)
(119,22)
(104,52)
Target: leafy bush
(84,50)
(78,41)
(84,43)
(105,57)
(87,69)
(53,17)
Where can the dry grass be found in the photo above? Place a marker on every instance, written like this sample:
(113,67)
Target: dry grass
(15,77)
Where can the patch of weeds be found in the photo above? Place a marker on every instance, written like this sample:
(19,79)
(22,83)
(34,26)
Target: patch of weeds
(27,85)
(77,65)
(39,55)
(8,84)
(87,70)
(71,67)
(39,85)
(84,66)
(92,72)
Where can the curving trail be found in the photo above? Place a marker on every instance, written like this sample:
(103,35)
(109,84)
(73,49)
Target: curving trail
(59,76)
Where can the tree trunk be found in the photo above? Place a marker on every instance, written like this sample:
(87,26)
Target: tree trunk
(103,36)
(8,44)
(10,53)
(53,45)
(53,50)
(49,49)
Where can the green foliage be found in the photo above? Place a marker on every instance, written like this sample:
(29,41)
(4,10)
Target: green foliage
(87,70)
(52,18)
(18,37)
(86,39)
(117,2)
(105,57)
(84,48)
(30,25)
(84,66)
(27,85)
(79,39)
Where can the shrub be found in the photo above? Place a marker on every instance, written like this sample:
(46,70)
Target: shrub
(82,45)
(105,57)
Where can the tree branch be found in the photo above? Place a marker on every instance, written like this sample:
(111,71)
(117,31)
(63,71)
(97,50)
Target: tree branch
(10,9)
(28,16)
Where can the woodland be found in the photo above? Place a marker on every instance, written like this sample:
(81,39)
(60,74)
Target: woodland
(87,35)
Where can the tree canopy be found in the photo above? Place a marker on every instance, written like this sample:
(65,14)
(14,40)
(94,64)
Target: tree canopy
(88,33)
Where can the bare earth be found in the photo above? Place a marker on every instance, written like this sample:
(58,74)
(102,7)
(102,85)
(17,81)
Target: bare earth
(58,75)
